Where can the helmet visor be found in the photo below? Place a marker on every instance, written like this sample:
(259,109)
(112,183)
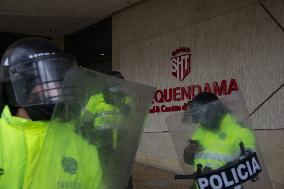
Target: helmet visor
(202,113)
(39,80)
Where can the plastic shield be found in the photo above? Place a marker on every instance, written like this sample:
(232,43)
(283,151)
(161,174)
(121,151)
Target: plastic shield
(216,145)
(92,141)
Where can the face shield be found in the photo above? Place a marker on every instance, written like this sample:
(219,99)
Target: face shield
(206,115)
(39,80)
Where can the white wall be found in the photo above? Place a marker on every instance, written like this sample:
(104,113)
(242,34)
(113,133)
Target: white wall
(228,39)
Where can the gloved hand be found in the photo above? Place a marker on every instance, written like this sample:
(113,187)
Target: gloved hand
(188,153)
(94,135)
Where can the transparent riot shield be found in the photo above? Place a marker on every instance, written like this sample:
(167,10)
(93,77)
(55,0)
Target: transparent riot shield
(93,136)
(216,145)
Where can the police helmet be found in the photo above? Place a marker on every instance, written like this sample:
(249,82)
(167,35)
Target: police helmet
(204,98)
(32,71)
(205,108)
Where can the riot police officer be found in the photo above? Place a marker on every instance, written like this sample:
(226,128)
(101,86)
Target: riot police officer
(217,140)
(104,112)
(32,72)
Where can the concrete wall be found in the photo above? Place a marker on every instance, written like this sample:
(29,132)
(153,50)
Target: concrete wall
(229,39)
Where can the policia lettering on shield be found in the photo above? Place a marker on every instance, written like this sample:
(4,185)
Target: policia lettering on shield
(221,150)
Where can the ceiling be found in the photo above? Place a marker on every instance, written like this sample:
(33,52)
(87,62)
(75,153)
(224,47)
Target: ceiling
(55,17)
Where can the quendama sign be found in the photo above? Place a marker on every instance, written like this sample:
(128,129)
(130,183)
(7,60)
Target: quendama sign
(178,94)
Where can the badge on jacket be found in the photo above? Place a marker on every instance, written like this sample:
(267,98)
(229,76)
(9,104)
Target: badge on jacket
(69,165)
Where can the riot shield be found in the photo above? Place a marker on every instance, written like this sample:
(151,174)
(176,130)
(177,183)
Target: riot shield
(216,145)
(93,136)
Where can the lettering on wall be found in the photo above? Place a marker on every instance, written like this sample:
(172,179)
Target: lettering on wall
(186,93)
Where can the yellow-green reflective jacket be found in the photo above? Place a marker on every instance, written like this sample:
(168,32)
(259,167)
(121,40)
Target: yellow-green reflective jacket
(32,159)
(222,146)
(21,140)
(106,116)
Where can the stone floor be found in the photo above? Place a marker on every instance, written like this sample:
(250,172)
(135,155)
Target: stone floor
(145,177)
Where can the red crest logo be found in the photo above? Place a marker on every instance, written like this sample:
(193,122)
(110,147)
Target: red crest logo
(181,65)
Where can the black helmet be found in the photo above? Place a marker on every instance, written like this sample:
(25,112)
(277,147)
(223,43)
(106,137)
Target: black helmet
(205,108)
(32,71)
(204,98)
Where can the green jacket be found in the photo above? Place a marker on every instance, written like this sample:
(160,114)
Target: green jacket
(222,145)
(33,158)
(107,116)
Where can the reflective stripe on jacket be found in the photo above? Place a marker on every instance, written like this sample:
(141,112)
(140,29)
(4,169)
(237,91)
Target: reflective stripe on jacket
(106,116)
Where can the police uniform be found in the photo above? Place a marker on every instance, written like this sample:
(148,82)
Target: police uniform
(37,154)
(107,116)
(108,125)
(222,146)
(30,163)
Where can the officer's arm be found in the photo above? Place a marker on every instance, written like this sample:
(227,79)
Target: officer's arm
(193,147)
(248,138)
(188,155)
